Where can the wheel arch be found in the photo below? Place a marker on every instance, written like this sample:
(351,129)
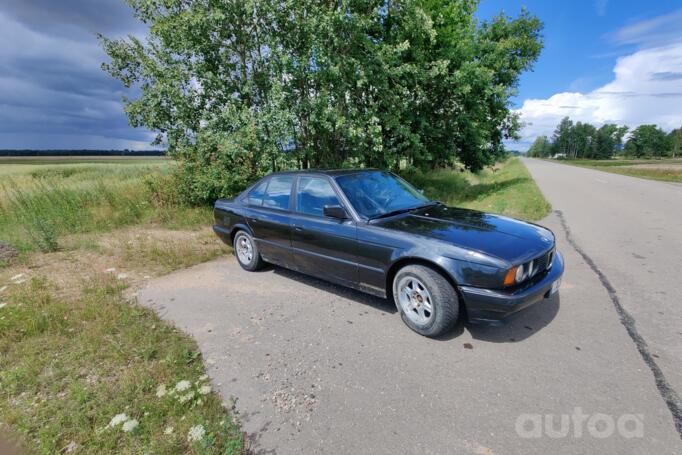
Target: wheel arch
(405,261)
(239,227)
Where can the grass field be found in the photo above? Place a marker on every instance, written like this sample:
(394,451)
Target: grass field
(507,189)
(76,351)
(667,170)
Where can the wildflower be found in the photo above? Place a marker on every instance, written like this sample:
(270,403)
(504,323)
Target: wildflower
(196,433)
(185,398)
(205,389)
(118,419)
(161,390)
(182,386)
(2,305)
(130,425)
(168,430)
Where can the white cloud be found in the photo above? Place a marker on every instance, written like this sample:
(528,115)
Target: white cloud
(647,88)
(651,32)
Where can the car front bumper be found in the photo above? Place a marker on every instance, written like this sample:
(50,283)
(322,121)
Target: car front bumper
(493,307)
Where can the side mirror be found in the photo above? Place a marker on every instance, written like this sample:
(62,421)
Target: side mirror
(335,211)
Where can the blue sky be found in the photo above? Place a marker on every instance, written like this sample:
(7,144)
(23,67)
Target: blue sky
(603,61)
(581,45)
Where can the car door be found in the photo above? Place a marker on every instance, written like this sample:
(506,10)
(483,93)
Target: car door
(322,246)
(269,218)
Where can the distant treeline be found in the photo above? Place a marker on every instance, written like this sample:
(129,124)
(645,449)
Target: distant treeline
(583,140)
(83,152)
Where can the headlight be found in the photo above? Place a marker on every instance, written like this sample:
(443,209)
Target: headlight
(520,273)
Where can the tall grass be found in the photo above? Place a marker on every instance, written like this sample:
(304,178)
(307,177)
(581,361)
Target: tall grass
(508,189)
(39,207)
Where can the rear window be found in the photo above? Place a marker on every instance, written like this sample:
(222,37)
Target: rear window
(278,192)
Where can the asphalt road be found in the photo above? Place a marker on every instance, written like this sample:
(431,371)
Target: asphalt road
(631,229)
(321,369)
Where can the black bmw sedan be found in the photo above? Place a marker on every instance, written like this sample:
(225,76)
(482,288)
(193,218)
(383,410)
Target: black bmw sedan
(371,230)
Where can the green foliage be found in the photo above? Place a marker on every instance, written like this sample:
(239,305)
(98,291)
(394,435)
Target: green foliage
(647,141)
(238,89)
(580,141)
(507,189)
(675,141)
(541,147)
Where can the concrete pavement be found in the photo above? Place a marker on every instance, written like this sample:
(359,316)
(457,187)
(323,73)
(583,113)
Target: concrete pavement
(318,368)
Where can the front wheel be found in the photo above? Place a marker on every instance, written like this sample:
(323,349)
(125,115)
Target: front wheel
(247,252)
(427,302)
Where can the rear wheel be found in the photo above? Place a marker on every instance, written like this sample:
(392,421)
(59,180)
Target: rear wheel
(427,302)
(247,252)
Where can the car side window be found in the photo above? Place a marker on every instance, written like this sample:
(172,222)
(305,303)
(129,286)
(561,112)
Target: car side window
(256,195)
(278,191)
(313,194)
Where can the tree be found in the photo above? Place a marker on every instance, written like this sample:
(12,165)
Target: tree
(647,141)
(562,139)
(583,140)
(236,89)
(608,140)
(541,148)
(675,141)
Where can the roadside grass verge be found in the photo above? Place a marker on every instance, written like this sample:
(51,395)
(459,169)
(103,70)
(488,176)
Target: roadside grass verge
(665,170)
(75,352)
(42,205)
(507,189)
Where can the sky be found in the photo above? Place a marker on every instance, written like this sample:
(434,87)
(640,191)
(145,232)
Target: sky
(604,61)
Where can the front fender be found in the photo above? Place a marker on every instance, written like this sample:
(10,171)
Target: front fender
(461,272)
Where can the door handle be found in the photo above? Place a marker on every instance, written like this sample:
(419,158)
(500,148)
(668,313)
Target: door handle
(253,220)
(298,228)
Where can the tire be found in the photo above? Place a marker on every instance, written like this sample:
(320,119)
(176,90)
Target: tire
(413,303)
(246,252)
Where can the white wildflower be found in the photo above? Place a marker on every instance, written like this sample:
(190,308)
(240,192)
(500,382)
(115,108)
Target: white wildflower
(196,433)
(161,390)
(168,430)
(185,398)
(2,305)
(118,419)
(182,386)
(130,425)
(203,377)
(205,389)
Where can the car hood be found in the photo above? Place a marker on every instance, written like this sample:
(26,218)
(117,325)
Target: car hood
(505,238)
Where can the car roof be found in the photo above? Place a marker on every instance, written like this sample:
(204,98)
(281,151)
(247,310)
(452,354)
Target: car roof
(329,172)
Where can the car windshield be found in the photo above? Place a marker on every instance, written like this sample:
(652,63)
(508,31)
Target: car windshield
(377,193)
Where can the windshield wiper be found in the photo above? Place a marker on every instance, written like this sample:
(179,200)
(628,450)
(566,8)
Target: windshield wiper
(399,211)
